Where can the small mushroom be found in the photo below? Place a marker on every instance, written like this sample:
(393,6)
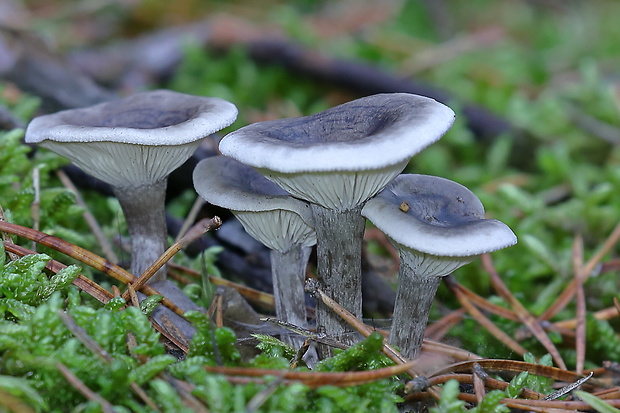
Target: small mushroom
(133,144)
(443,229)
(270,215)
(337,159)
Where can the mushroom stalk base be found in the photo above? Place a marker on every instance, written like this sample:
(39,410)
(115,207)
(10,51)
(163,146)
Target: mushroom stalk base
(413,304)
(339,270)
(144,211)
(288,270)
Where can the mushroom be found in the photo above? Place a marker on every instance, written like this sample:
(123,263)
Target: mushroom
(133,144)
(437,225)
(271,216)
(336,160)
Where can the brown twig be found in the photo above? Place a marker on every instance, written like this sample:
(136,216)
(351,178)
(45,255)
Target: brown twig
(79,385)
(6,238)
(315,379)
(605,314)
(484,304)
(195,232)
(482,320)
(252,295)
(480,378)
(84,256)
(567,295)
(438,329)
(89,218)
(580,329)
(526,318)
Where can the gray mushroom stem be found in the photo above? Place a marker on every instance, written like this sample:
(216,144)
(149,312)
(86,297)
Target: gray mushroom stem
(339,256)
(288,270)
(143,207)
(414,298)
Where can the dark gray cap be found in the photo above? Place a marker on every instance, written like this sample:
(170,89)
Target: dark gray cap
(136,140)
(266,211)
(340,157)
(436,216)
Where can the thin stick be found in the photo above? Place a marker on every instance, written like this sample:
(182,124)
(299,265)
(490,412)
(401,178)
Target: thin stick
(605,314)
(6,238)
(569,291)
(90,219)
(79,385)
(35,207)
(526,318)
(191,217)
(480,378)
(440,328)
(252,295)
(580,330)
(83,337)
(484,304)
(195,232)
(84,256)
(484,321)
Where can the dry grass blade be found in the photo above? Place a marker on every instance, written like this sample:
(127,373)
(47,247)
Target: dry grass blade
(605,314)
(79,385)
(84,256)
(6,238)
(568,388)
(499,365)
(479,380)
(191,217)
(538,406)
(440,328)
(100,352)
(262,396)
(547,405)
(456,353)
(569,291)
(484,304)
(526,318)
(491,383)
(580,330)
(194,232)
(89,217)
(83,336)
(482,320)
(314,379)
(185,391)
(252,295)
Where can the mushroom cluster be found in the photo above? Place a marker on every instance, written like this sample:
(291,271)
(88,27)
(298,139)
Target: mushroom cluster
(336,160)
(293,183)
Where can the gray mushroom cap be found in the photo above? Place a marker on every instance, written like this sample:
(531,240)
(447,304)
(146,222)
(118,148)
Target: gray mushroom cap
(136,140)
(367,133)
(342,156)
(436,216)
(267,212)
